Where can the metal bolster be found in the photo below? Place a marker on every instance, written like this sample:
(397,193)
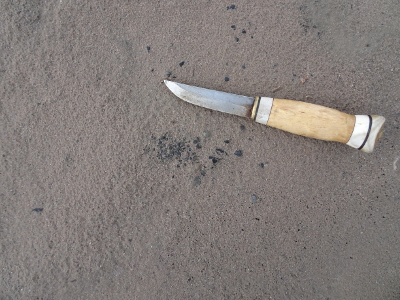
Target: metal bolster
(263,110)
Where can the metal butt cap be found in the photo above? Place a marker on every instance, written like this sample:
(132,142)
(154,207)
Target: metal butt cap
(367,131)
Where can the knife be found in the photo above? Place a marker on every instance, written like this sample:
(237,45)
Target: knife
(306,119)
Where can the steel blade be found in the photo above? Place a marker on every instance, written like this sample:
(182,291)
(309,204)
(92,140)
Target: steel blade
(220,101)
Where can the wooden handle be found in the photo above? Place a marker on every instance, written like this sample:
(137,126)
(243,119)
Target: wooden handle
(311,120)
(320,122)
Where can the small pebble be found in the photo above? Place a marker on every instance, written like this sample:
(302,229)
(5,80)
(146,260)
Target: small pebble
(226,78)
(206,133)
(254,198)
(181,63)
(233,27)
(197,180)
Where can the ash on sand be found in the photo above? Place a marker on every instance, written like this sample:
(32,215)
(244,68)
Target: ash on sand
(168,148)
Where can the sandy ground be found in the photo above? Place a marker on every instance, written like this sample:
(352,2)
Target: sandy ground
(113,188)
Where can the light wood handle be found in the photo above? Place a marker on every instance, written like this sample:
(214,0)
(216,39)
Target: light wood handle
(320,122)
(311,120)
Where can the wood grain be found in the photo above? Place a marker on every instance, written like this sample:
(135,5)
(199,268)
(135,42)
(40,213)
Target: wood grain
(311,120)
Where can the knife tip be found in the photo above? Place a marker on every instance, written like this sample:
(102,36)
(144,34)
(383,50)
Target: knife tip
(168,83)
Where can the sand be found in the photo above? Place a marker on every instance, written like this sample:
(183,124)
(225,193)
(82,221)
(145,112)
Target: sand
(113,188)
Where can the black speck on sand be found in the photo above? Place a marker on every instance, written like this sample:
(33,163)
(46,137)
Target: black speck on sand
(238,153)
(121,223)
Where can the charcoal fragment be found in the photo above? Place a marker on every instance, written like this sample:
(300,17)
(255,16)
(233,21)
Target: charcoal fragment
(220,151)
(214,159)
(238,153)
